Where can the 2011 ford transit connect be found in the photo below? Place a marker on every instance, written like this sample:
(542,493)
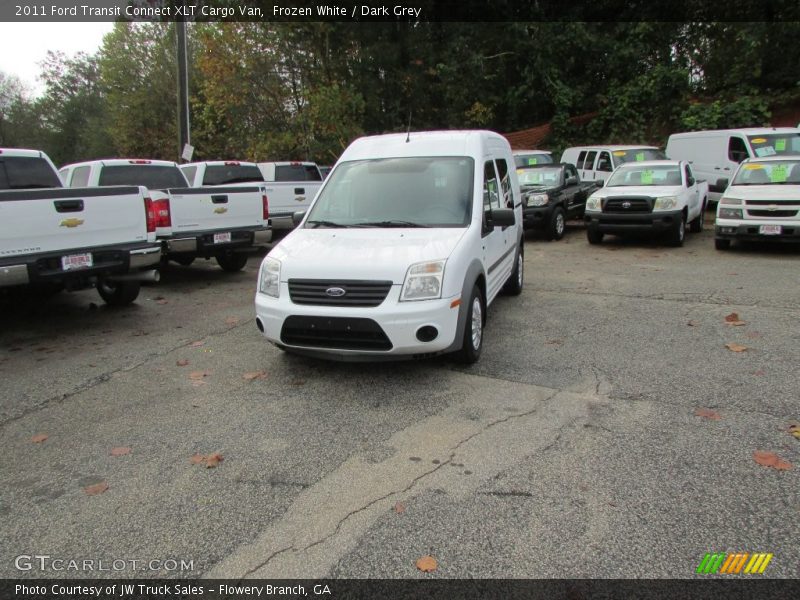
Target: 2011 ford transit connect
(410,239)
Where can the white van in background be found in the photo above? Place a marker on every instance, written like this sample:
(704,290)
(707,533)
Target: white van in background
(595,163)
(527,158)
(715,155)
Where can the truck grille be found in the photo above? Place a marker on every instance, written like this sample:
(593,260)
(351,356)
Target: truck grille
(328,292)
(335,333)
(779,214)
(628,204)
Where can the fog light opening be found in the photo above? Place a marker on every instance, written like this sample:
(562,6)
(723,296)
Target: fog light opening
(427,333)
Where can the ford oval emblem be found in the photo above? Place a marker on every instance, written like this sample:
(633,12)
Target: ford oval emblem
(335,292)
(626,204)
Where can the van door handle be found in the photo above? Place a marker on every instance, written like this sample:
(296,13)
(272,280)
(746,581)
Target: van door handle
(717,169)
(299,191)
(67,206)
(219,199)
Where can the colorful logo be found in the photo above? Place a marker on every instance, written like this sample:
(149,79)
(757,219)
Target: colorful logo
(734,563)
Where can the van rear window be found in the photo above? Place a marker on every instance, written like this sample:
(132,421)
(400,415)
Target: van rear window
(297,172)
(26,172)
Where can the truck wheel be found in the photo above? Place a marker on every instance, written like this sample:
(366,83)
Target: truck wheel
(722,244)
(594,237)
(473,332)
(555,230)
(678,236)
(232,261)
(697,224)
(118,293)
(513,286)
(183,261)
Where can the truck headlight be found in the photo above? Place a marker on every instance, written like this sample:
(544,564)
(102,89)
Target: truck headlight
(269,277)
(594,203)
(729,213)
(665,203)
(538,199)
(423,281)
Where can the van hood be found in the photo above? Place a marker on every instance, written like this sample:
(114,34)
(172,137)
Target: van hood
(365,254)
(639,190)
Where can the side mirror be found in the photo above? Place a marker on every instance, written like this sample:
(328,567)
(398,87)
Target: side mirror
(690,182)
(601,182)
(297,217)
(503,217)
(722,183)
(572,180)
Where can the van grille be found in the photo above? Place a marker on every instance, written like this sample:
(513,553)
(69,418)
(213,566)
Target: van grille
(327,292)
(628,204)
(335,333)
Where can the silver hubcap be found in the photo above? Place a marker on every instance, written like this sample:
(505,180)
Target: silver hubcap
(559,223)
(477,323)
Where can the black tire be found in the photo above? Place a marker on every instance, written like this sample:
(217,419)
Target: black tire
(678,235)
(119,293)
(722,244)
(513,287)
(473,342)
(183,261)
(696,226)
(232,261)
(557,225)
(594,237)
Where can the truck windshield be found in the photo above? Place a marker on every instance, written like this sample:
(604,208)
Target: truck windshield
(297,172)
(775,143)
(24,172)
(534,158)
(225,174)
(637,155)
(772,172)
(634,175)
(549,176)
(396,192)
(154,177)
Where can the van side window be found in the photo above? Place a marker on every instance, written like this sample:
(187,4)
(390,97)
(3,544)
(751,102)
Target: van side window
(604,162)
(491,189)
(581,158)
(589,163)
(737,150)
(505,183)
(80,177)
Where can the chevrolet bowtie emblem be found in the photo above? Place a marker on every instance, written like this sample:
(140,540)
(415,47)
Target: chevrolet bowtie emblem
(221,210)
(71,222)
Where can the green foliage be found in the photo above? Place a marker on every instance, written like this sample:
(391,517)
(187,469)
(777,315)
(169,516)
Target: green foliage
(744,111)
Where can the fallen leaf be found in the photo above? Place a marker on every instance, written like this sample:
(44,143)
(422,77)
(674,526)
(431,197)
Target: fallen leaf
(196,344)
(162,301)
(196,459)
(693,324)
(795,431)
(298,382)
(399,508)
(735,347)
(213,460)
(182,362)
(759,372)
(97,488)
(232,320)
(120,451)
(426,564)
(198,375)
(770,459)
(39,438)
(254,375)
(554,342)
(733,320)
(708,414)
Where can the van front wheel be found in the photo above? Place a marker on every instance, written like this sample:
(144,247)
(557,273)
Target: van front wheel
(473,331)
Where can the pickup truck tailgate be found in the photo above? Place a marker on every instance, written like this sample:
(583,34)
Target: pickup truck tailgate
(49,220)
(215,208)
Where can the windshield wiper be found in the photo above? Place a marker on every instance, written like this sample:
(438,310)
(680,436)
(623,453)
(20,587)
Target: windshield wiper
(316,224)
(390,224)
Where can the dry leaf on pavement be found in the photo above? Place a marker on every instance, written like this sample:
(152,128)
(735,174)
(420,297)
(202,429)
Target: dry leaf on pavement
(426,564)
(708,414)
(735,347)
(39,438)
(795,431)
(97,488)
(196,344)
(254,375)
(399,508)
(232,320)
(120,451)
(770,459)
(182,362)
(733,319)
(198,375)
(196,459)
(693,324)
(213,460)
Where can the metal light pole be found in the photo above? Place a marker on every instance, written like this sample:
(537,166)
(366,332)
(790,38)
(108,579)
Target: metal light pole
(184,138)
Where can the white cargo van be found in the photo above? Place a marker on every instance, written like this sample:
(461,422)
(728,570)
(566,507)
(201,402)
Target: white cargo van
(595,163)
(715,155)
(410,239)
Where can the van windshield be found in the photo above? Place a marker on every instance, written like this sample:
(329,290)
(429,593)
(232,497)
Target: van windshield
(632,175)
(534,158)
(773,172)
(396,192)
(637,155)
(775,143)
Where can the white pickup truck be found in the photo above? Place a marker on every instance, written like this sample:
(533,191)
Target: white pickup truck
(291,186)
(54,238)
(762,203)
(222,172)
(657,196)
(221,222)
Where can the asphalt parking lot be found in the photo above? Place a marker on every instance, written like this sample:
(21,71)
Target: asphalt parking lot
(574,448)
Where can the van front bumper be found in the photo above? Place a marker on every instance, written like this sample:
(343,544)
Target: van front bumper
(621,223)
(389,330)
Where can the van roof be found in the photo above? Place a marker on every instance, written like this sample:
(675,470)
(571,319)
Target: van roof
(613,147)
(744,130)
(423,143)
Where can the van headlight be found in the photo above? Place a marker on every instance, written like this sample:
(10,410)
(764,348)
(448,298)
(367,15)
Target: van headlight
(594,203)
(423,281)
(538,199)
(665,203)
(269,277)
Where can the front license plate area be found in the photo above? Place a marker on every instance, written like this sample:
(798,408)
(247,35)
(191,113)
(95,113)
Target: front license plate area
(770,230)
